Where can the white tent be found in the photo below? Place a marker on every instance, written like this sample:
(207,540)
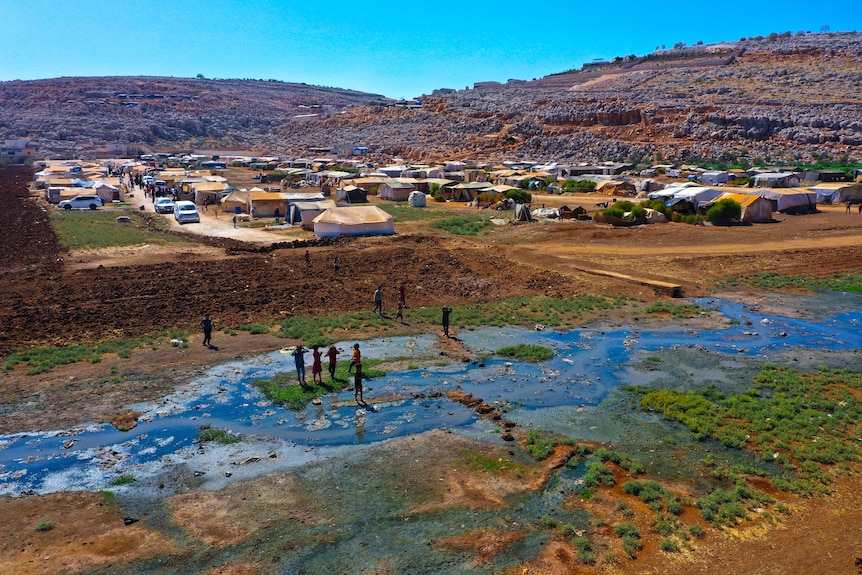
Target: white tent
(837,192)
(417,199)
(795,200)
(353,221)
(305,212)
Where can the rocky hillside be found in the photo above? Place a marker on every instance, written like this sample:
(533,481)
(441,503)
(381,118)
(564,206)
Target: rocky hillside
(72,116)
(776,98)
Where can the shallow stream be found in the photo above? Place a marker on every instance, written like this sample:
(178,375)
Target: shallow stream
(559,393)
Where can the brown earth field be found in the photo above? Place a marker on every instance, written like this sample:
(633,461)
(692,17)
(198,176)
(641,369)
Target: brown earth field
(52,296)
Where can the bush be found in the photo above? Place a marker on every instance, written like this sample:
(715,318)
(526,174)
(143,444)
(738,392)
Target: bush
(520,196)
(44,526)
(724,211)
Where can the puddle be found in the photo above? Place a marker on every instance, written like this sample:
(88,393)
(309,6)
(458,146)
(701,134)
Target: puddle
(563,393)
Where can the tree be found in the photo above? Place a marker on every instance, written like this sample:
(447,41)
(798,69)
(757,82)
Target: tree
(201,77)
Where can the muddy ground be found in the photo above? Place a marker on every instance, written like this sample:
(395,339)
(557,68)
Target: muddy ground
(54,297)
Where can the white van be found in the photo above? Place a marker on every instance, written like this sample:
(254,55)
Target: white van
(185,211)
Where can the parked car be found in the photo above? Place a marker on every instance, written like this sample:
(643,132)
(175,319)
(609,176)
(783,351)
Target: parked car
(185,211)
(163,205)
(89,202)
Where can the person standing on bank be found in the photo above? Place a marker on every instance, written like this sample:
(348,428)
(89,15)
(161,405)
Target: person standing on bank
(316,365)
(357,385)
(355,358)
(207,326)
(400,313)
(332,354)
(299,359)
(446,311)
(378,300)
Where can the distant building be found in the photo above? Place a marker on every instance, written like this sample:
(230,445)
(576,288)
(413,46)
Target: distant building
(18,151)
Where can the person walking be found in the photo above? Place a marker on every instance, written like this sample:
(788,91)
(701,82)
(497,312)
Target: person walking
(402,295)
(378,300)
(332,354)
(299,359)
(400,314)
(336,265)
(207,326)
(234,221)
(316,366)
(446,311)
(307,259)
(277,215)
(357,385)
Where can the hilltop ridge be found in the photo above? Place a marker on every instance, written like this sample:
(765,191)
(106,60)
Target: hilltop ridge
(781,97)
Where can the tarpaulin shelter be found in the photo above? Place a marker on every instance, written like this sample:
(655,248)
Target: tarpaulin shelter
(353,221)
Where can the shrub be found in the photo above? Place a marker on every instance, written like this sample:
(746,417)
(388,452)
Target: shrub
(44,526)
(669,545)
(724,211)
(597,474)
(520,196)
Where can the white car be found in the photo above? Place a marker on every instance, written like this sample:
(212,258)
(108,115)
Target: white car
(89,202)
(185,211)
(163,205)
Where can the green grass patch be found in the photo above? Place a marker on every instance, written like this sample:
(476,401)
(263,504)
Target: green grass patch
(402,212)
(486,463)
(119,480)
(805,422)
(526,352)
(467,225)
(675,310)
(837,282)
(44,359)
(540,444)
(284,390)
(88,229)
(255,329)
(223,436)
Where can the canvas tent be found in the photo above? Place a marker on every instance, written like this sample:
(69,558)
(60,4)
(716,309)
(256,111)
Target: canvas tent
(304,212)
(395,190)
(235,199)
(264,204)
(838,192)
(615,188)
(353,221)
(790,200)
(417,199)
(754,208)
(351,195)
(522,213)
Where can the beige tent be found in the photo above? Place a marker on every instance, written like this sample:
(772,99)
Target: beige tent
(615,188)
(305,212)
(235,199)
(395,190)
(353,221)
(754,208)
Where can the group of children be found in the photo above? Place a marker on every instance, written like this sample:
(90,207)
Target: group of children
(317,366)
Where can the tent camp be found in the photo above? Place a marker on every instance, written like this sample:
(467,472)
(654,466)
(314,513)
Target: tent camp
(395,190)
(304,212)
(754,208)
(417,199)
(353,221)
(838,192)
(351,195)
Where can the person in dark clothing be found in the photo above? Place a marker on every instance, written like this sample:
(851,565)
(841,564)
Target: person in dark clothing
(357,384)
(446,311)
(332,354)
(207,326)
(378,300)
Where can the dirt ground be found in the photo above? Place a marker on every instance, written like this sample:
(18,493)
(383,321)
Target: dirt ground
(53,297)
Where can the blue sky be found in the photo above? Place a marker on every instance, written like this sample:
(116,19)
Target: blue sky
(398,49)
